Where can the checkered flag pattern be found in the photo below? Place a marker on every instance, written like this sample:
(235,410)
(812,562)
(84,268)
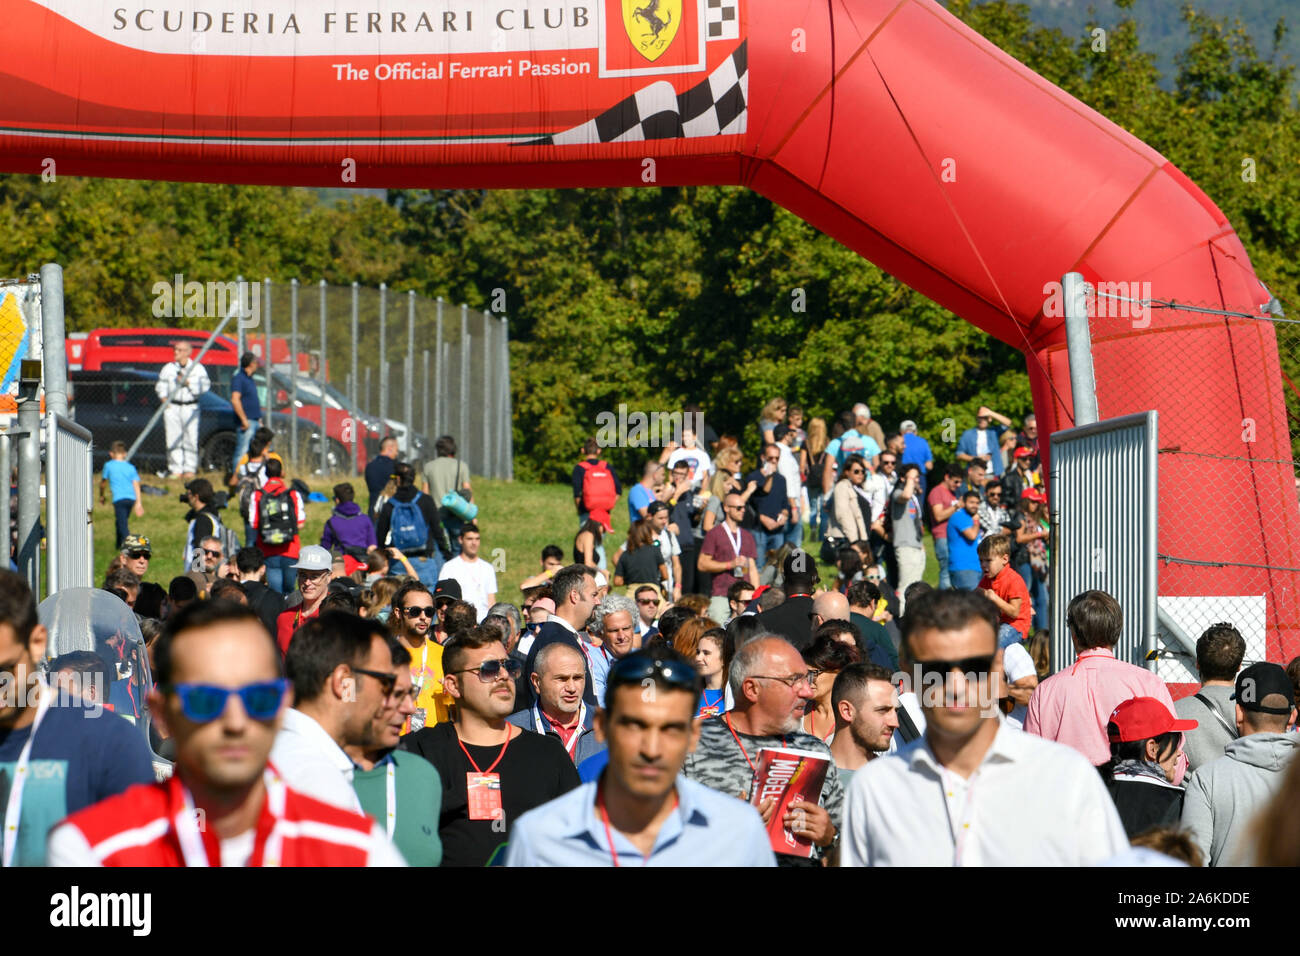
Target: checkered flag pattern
(715,107)
(723,20)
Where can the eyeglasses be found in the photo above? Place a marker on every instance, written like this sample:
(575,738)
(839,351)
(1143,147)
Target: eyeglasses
(793,681)
(488,671)
(412,610)
(387,681)
(888,461)
(647,601)
(311,575)
(981,664)
(204,703)
(640,666)
(212,554)
(856,471)
(137,555)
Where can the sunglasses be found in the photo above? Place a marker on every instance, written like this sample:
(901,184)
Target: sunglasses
(212,554)
(137,555)
(488,671)
(857,471)
(638,667)
(204,703)
(981,664)
(387,681)
(647,601)
(412,610)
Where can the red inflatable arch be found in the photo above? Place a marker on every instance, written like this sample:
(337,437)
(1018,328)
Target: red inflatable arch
(888,124)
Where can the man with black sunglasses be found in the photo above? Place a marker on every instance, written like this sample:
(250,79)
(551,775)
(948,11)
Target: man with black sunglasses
(973,791)
(491,771)
(642,811)
(342,675)
(771,686)
(411,622)
(220,695)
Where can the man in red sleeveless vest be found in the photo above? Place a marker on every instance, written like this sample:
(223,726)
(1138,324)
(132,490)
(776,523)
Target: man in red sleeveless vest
(221,695)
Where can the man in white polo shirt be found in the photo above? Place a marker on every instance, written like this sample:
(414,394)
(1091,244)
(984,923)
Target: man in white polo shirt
(973,791)
(342,674)
(476,577)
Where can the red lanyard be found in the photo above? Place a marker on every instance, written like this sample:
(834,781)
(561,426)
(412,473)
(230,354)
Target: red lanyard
(753,769)
(471,759)
(604,818)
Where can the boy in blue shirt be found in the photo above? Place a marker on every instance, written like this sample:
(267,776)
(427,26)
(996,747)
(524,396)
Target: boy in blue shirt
(121,478)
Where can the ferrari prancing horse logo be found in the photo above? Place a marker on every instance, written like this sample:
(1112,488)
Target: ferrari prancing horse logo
(651,25)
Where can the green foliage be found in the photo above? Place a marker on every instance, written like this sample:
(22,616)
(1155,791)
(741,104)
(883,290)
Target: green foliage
(654,297)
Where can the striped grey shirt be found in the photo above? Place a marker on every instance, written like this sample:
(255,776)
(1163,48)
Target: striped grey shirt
(719,763)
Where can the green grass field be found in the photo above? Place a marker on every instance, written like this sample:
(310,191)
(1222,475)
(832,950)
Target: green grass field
(517,520)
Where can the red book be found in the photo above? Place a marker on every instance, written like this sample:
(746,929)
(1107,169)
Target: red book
(787,775)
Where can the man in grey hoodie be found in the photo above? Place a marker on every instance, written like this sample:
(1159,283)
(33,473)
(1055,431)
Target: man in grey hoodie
(1225,794)
(1218,657)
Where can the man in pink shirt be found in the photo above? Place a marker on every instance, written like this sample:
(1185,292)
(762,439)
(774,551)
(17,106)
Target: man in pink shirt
(1073,706)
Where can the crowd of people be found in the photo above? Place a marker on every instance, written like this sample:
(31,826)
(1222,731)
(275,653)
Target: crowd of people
(356,703)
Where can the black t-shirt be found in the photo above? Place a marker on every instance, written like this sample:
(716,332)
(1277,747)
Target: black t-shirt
(640,566)
(534,770)
(378,470)
(772,503)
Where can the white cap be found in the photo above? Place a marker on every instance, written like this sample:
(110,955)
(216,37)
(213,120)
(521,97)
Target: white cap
(313,557)
(861,411)
(907,426)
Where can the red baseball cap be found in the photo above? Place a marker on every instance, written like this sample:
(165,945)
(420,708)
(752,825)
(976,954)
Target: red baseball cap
(1033,494)
(1024,452)
(1142,718)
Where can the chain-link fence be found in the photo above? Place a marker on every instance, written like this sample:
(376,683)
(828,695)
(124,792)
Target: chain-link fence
(359,364)
(1229,523)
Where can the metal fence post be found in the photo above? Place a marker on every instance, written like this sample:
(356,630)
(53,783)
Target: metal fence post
(323,379)
(383,358)
(424,388)
(439,371)
(29,482)
(508,422)
(356,425)
(408,405)
(463,429)
(367,398)
(293,370)
(487,396)
(1078,339)
(55,355)
(266,338)
(6,505)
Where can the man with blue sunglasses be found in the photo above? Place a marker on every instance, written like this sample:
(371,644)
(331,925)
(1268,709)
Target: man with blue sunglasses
(221,697)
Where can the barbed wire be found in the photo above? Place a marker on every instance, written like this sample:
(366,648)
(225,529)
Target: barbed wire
(1205,454)
(1174,305)
(1170,559)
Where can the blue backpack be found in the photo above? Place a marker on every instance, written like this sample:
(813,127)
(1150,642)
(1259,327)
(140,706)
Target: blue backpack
(408,531)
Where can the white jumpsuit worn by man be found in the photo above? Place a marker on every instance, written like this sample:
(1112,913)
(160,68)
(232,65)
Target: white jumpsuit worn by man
(181,417)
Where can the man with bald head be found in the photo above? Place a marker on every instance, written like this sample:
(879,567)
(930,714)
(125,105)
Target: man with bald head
(792,618)
(558,681)
(771,686)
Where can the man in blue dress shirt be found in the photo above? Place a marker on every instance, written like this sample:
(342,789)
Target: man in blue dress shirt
(642,811)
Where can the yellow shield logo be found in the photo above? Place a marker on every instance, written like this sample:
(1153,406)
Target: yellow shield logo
(651,25)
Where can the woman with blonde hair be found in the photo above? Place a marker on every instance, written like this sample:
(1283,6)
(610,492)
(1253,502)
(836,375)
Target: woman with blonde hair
(773,414)
(729,463)
(812,465)
(381,598)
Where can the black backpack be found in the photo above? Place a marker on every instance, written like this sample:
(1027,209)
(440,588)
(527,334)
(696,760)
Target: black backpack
(277,522)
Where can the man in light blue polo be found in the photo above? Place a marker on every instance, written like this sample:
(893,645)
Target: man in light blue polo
(642,811)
